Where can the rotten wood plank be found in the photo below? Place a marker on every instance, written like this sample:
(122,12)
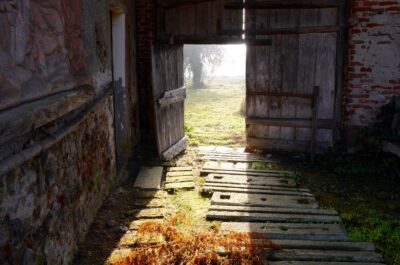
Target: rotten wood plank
(174,150)
(239,199)
(273,217)
(172,97)
(288,231)
(283,210)
(255,191)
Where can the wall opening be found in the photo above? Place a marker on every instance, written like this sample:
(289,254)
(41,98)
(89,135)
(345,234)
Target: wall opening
(215,78)
(121,109)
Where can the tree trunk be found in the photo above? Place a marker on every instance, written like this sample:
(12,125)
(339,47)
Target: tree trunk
(197,69)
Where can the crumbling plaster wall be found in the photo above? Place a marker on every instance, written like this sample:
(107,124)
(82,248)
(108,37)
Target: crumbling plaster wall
(57,144)
(373,72)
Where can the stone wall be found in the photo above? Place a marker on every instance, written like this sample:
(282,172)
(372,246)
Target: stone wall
(57,143)
(49,201)
(373,72)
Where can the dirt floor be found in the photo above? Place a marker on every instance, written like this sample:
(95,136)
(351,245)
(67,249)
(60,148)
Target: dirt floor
(369,206)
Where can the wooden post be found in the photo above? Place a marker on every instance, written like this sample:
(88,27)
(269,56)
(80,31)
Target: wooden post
(315,104)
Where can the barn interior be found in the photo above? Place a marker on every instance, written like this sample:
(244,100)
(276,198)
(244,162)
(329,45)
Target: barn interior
(94,142)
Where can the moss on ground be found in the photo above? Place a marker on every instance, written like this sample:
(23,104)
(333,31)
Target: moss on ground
(192,205)
(367,197)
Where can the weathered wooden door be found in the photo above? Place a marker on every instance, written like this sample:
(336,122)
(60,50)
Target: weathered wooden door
(299,53)
(169,94)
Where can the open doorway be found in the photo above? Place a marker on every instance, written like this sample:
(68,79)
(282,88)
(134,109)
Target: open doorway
(215,108)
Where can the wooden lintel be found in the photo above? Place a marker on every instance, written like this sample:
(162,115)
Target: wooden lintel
(285,122)
(269,4)
(178,3)
(279,94)
(173,96)
(181,40)
(284,31)
(175,149)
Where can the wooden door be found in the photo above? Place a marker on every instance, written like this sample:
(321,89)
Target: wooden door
(169,94)
(301,54)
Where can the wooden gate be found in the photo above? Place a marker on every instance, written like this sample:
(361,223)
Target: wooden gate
(169,94)
(300,54)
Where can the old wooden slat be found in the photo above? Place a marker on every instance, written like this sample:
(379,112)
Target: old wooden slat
(233,4)
(326,255)
(285,31)
(179,186)
(149,203)
(248,168)
(274,217)
(255,186)
(148,213)
(181,169)
(225,198)
(172,97)
(291,122)
(206,171)
(253,209)
(288,231)
(149,194)
(179,179)
(175,149)
(314,122)
(18,121)
(179,173)
(321,263)
(325,245)
(251,180)
(251,190)
(289,145)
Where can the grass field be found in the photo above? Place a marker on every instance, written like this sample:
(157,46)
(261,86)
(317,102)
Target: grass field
(212,114)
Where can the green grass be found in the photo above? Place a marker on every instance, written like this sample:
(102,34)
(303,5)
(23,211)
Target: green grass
(364,188)
(212,114)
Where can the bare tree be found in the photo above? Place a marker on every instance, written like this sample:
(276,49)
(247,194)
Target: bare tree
(199,56)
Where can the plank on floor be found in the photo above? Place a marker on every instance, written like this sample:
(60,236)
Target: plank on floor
(255,209)
(287,231)
(253,186)
(240,199)
(319,263)
(326,255)
(270,217)
(251,180)
(255,190)
(149,178)
(325,245)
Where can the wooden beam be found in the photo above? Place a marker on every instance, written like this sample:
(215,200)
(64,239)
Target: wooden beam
(284,31)
(175,149)
(172,96)
(270,4)
(287,145)
(177,3)
(279,94)
(29,116)
(297,123)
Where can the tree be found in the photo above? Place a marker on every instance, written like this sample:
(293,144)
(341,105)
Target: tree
(201,57)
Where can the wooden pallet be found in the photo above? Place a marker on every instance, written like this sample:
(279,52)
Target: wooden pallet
(268,202)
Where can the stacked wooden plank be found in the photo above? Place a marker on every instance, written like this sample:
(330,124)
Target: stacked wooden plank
(267,201)
(179,178)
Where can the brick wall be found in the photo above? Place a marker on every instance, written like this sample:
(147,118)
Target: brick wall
(373,72)
(146,35)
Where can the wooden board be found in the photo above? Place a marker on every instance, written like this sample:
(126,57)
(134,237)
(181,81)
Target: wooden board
(292,65)
(284,210)
(251,180)
(167,77)
(254,190)
(179,179)
(288,231)
(239,199)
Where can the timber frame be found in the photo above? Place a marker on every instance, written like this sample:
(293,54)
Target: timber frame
(222,35)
